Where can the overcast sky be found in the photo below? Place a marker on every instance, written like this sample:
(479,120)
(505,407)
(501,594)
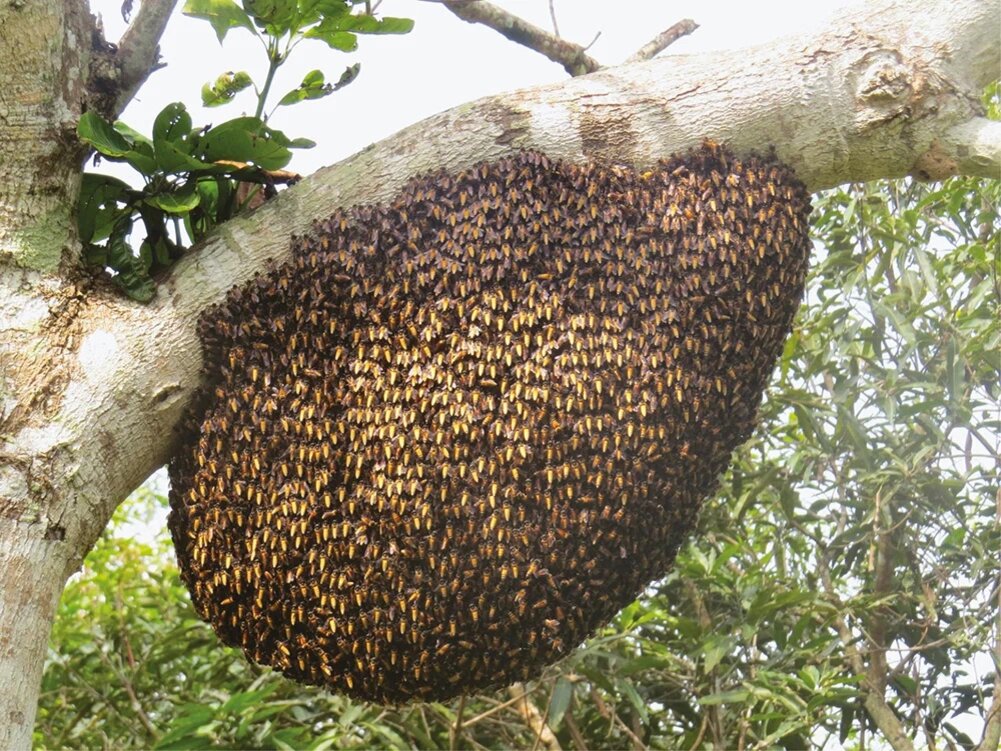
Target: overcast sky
(441,63)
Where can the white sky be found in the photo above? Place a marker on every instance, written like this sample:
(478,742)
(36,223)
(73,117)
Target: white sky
(441,63)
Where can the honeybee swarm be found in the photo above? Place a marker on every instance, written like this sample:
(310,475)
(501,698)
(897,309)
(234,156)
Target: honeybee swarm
(457,433)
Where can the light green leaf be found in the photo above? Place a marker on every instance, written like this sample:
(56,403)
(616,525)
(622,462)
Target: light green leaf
(225,87)
(560,701)
(222,14)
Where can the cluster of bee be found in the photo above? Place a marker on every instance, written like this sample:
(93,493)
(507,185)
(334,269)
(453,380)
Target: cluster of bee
(458,432)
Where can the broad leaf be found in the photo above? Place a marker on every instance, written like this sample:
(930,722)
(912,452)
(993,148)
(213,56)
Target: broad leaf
(276,17)
(172,124)
(366,24)
(176,201)
(245,139)
(222,14)
(98,208)
(99,133)
(338,40)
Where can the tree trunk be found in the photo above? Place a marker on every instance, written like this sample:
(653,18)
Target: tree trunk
(92,385)
(32,572)
(44,49)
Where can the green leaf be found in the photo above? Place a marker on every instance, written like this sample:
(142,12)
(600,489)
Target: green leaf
(222,14)
(99,133)
(132,135)
(276,17)
(132,275)
(175,201)
(560,701)
(189,720)
(635,699)
(313,85)
(338,40)
(174,158)
(173,123)
(225,87)
(246,139)
(141,155)
(737,696)
(366,24)
(98,208)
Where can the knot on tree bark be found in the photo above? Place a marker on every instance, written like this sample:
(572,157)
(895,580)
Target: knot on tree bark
(886,88)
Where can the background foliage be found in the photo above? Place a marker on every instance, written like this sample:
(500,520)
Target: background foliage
(852,550)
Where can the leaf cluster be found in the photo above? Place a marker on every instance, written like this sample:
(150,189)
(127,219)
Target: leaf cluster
(192,176)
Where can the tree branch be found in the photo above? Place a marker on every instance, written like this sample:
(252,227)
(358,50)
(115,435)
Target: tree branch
(663,40)
(139,48)
(992,727)
(975,147)
(572,57)
(533,718)
(882,714)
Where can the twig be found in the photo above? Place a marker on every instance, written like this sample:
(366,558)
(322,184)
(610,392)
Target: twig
(703,726)
(139,48)
(552,15)
(261,175)
(456,730)
(575,735)
(992,728)
(613,718)
(572,57)
(492,711)
(663,40)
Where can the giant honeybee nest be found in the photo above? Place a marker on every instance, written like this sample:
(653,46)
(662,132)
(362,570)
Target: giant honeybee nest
(458,432)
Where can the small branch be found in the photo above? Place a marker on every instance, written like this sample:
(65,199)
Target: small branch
(552,15)
(882,589)
(533,718)
(579,743)
(992,728)
(882,714)
(455,732)
(139,48)
(274,176)
(663,40)
(572,57)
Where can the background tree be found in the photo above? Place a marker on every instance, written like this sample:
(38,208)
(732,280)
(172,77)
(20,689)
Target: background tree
(892,103)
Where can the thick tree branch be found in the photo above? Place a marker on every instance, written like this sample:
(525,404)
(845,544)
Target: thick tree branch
(974,148)
(572,57)
(663,40)
(139,48)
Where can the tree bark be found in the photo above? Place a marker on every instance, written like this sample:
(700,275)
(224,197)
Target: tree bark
(92,385)
(32,572)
